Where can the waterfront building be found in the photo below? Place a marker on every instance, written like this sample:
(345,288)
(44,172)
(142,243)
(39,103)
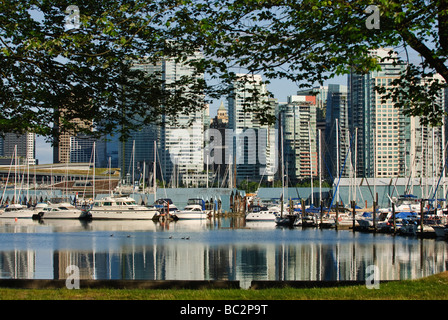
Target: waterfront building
(337,130)
(297,122)
(179,143)
(389,143)
(25,143)
(182,143)
(216,150)
(71,147)
(380,127)
(253,144)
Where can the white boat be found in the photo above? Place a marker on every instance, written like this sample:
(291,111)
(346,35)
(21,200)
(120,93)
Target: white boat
(195,209)
(18,211)
(366,219)
(165,209)
(404,203)
(120,208)
(258,213)
(63,211)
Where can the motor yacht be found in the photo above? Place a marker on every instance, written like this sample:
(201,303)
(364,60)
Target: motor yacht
(120,208)
(63,211)
(262,213)
(18,211)
(195,209)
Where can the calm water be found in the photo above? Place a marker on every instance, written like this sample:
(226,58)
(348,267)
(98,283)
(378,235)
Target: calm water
(225,249)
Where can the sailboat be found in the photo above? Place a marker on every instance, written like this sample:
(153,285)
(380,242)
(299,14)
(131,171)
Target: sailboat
(282,219)
(17,210)
(118,207)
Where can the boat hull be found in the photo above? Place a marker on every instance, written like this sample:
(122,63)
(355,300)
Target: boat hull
(286,220)
(440,231)
(260,217)
(25,214)
(123,214)
(69,214)
(191,215)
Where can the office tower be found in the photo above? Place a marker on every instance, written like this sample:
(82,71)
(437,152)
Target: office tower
(425,148)
(81,149)
(107,152)
(321,94)
(71,147)
(390,144)
(380,126)
(217,148)
(138,149)
(25,143)
(254,143)
(297,124)
(181,144)
(337,130)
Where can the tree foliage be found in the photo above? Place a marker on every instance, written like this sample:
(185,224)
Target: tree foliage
(52,75)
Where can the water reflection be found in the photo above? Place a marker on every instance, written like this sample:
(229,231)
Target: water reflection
(227,249)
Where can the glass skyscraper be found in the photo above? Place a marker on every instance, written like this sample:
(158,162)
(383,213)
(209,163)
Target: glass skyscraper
(180,145)
(254,144)
(390,144)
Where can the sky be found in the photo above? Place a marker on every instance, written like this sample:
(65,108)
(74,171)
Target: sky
(280,88)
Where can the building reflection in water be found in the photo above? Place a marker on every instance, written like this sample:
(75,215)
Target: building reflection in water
(154,259)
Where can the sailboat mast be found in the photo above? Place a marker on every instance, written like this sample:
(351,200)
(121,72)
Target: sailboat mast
(15,173)
(311,164)
(337,158)
(155,161)
(133,163)
(144,173)
(93,193)
(320,166)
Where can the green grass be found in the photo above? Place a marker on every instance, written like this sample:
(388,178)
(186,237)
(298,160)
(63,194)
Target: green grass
(430,288)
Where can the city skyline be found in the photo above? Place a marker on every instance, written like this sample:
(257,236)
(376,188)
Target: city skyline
(280,88)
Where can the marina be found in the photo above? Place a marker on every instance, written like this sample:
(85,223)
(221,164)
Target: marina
(216,234)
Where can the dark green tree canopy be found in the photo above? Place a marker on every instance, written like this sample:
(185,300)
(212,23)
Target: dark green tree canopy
(53,73)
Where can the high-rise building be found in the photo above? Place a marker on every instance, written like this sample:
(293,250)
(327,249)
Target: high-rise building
(321,94)
(379,125)
(138,149)
(24,143)
(388,143)
(297,124)
(254,143)
(217,142)
(337,130)
(180,145)
(73,148)
(425,145)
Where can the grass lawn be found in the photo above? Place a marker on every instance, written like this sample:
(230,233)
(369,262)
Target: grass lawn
(430,288)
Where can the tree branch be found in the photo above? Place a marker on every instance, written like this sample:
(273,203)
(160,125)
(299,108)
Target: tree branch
(431,58)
